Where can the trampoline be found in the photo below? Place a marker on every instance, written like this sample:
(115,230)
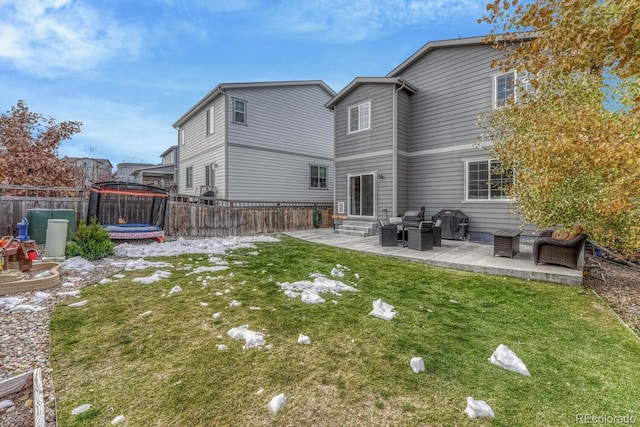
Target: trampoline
(128,210)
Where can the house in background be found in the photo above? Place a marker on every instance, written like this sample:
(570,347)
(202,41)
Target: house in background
(411,139)
(270,141)
(125,171)
(94,170)
(161,175)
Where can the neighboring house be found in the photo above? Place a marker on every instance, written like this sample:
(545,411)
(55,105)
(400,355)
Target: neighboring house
(161,175)
(125,171)
(411,139)
(94,170)
(270,141)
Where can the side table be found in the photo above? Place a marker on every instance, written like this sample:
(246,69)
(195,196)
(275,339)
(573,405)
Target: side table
(506,243)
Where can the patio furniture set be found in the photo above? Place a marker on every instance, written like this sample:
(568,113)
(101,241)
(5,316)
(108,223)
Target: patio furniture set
(414,232)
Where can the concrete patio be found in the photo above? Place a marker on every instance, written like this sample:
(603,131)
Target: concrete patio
(460,255)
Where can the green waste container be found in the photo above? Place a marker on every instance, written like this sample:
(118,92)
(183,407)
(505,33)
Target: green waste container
(69,215)
(38,219)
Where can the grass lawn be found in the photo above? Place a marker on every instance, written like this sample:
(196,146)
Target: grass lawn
(164,368)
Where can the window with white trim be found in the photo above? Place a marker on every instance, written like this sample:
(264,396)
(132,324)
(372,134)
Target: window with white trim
(504,87)
(318,176)
(181,136)
(189,175)
(359,117)
(484,181)
(209,176)
(210,121)
(239,111)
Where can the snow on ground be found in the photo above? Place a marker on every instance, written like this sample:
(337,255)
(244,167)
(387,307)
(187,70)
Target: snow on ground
(310,291)
(185,246)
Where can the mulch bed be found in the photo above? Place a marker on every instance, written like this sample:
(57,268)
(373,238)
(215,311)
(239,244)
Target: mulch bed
(618,285)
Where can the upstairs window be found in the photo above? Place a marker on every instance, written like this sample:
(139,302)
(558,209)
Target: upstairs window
(483,182)
(318,176)
(181,136)
(503,88)
(360,117)
(240,111)
(210,121)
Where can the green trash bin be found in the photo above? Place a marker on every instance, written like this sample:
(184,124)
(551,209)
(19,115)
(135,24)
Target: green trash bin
(38,219)
(69,215)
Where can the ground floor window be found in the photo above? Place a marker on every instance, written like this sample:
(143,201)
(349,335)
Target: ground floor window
(484,181)
(318,176)
(189,179)
(361,195)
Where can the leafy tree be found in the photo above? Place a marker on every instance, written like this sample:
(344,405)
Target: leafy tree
(29,149)
(574,141)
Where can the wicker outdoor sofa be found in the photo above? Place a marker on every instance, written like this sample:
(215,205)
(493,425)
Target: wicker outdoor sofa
(548,250)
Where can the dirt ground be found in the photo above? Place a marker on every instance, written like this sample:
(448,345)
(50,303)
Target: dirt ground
(618,285)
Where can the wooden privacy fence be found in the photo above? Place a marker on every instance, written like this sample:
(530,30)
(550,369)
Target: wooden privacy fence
(186,216)
(218,218)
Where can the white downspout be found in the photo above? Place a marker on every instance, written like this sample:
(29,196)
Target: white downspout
(394,183)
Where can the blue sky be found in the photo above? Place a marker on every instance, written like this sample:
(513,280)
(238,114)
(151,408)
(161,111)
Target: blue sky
(128,69)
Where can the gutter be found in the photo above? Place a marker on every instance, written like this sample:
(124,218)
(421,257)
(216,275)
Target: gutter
(394,183)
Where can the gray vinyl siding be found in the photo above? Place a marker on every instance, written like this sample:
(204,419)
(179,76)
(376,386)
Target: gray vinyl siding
(379,136)
(259,175)
(376,165)
(454,87)
(201,149)
(287,129)
(367,150)
(290,119)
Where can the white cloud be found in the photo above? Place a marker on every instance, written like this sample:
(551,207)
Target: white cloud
(356,20)
(48,38)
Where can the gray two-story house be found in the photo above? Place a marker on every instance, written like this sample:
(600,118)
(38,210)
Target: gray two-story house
(411,138)
(270,141)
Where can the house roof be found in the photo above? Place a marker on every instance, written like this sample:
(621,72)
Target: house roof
(398,81)
(173,147)
(218,90)
(459,42)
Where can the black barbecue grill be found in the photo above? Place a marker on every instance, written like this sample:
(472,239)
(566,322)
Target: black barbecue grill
(413,218)
(454,224)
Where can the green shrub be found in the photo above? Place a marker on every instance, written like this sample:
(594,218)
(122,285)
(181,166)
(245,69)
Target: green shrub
(91,242)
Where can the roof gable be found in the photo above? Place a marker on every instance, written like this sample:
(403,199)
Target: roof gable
(370,80)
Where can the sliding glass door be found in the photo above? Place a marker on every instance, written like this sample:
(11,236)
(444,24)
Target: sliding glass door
(361,195)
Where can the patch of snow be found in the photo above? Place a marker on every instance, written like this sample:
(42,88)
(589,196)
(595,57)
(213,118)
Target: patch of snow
(27,307)
(176,289)
(212,268)
(216,315)
(6,404)
(251,338)
(146,313)
(69,293)
(118,420)
(382,310)
(276,403)
(311,296)
(478,409)
(11,302)
(80,409)
(105,281)
(79,304)
(235,303)
(417,364)
(507,359)
(222,347)
(303,339)
(155,277)
(185,246)
(78,264)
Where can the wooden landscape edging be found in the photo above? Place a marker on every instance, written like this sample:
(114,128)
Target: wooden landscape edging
(33,380)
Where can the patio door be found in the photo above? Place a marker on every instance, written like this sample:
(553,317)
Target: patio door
(361,195)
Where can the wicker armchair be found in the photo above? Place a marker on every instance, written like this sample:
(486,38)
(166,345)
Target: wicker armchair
(557,251)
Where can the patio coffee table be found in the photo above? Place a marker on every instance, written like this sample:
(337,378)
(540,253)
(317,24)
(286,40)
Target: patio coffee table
(506,243)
